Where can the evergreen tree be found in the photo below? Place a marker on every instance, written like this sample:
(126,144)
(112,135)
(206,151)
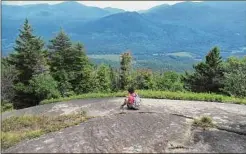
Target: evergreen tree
(81,69)
(60,43)
(125,70)
(103,78)
(87,80)
(69,65)
(60,49)
(29,60)
(208,75)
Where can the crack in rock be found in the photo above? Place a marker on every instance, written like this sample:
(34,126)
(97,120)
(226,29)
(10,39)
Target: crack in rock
(218,127)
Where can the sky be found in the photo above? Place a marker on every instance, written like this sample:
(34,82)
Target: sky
(126,5)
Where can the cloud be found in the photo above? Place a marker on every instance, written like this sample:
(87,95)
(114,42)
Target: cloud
(29,2)
(126,5)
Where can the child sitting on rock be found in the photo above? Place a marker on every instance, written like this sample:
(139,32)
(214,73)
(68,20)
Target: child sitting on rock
(132,101)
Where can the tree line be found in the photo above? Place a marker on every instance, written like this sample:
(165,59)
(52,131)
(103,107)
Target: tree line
(34,72)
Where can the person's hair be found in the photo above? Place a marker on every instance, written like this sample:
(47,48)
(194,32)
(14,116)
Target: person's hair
(131,90)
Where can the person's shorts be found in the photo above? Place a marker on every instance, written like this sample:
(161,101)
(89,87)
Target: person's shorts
(130,106)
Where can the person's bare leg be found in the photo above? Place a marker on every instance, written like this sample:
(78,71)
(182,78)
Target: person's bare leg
(125,102)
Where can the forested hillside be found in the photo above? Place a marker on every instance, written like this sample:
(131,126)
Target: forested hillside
(34,72)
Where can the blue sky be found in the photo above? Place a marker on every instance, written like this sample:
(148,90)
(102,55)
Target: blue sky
(126,5)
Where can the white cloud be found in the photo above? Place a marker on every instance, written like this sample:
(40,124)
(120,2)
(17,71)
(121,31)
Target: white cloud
(126,5)
(29,2)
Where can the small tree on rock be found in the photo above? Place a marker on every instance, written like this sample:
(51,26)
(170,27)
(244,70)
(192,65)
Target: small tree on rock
(208,75)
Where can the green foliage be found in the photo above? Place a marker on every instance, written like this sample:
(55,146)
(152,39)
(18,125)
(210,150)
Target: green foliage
(235,77)
(81,69)
(155,63)
(60,43)
(83,72)
(143,79)
(6,106)
(43,86)
(64,86)
(70,66)
(170,81)
(86,80)
(27,79)
(125,70)
(60,61)
(103,78)
(114,77)
(28,59)
(8,76)
(208,75)
(156,95)
(29,56)
(40,87)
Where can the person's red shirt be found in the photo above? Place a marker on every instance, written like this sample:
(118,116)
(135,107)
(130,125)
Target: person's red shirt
(131,98)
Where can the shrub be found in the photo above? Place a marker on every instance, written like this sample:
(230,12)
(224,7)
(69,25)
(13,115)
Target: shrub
(170,81)
(6,106)
(44,87)
(235,77)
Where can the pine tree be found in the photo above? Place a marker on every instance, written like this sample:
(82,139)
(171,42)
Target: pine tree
(69,65)
(29,60)
(81,68)
(208,75)
(86,80)
(60,49)
(61,42)
(125,70)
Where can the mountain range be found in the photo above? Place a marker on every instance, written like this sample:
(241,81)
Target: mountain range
(186,27)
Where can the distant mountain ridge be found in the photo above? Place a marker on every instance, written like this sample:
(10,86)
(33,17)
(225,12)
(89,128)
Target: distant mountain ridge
(113,10)
(186,26)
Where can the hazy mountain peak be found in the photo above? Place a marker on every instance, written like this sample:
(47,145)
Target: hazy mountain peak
(192,27)
(70,4)
(113,10)
(156,8)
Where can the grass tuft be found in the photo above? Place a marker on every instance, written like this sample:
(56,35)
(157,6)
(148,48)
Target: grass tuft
(204,122)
